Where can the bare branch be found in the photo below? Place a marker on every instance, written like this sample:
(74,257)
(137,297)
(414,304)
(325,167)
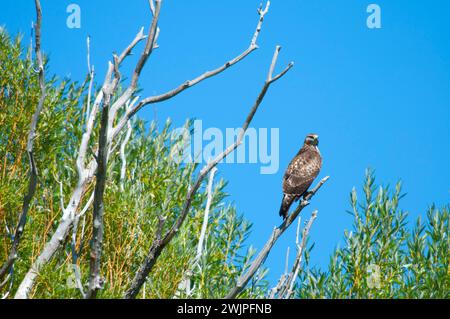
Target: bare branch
(75,255)
(275,290)
(277,232)
(152,6)
(287,260)
(190,83)
(122,155)
(158,245)
(91,78)
(95,280)
(289,287)
(86,207)
(32,182)
(153,11)
(261,13)
(148,46)
(209,192)
(139,37)
(185,283)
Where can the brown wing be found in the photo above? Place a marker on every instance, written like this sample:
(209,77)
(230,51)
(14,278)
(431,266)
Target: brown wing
(302,171)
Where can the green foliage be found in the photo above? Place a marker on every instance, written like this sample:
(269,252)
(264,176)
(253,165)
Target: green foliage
(58,134)
(382,258)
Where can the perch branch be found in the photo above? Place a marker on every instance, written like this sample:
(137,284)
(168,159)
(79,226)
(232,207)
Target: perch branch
(277,232)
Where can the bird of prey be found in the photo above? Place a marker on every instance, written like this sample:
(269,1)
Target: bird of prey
(300,173)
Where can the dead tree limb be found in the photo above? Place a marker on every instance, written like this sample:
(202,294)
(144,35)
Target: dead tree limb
(32,182)
(190,83)
(209,194)
(158,245)
(123,157)
(95,281)
(185,284)
(288,288)
(277,232)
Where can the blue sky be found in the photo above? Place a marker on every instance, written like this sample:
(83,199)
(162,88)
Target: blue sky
(378,98)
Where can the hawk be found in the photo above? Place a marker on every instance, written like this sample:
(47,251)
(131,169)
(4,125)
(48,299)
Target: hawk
(301,172)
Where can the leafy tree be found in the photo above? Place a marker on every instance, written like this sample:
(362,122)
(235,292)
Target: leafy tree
(382,257)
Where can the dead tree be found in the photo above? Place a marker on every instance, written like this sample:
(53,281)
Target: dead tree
(88,165)
(161,241)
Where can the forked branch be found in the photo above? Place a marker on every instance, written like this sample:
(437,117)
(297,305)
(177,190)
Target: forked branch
(277,232)
(190,83)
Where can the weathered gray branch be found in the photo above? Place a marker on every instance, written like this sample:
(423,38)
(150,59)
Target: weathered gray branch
(91,78)
(123,157)
(159,244)
(277,232)
(289,285)
(32,182)
(209,193)
(185,284)
(95,281)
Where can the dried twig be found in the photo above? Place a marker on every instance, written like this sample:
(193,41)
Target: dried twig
(123,158)
(91,78)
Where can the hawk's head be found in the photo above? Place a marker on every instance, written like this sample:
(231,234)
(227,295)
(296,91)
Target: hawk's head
(312,139)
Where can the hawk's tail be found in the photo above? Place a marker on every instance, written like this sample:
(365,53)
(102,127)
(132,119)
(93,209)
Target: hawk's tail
(286,203)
